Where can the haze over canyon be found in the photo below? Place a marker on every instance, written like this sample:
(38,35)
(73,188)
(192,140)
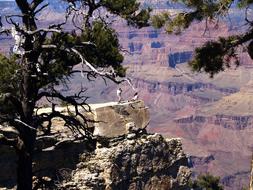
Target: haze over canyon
(213,116)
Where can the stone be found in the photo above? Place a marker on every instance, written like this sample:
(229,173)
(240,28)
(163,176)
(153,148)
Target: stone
(122,158)
(117,119)
(131,136)
(131,127)
(150,164)
(111,119)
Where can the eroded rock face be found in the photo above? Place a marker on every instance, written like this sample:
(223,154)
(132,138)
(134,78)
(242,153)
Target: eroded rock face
(147,162)
(113,119)
(122,156)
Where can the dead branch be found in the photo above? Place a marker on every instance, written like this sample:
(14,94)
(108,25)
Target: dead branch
(41,8)
(110,75)
(7,141)
(35,4)
(42,30)
(24,124)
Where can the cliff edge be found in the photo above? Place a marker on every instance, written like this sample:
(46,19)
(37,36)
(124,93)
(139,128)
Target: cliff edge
(136,162)
(121,156)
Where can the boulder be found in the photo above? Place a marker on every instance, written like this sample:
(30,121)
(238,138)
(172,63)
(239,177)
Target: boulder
(114,119)
(147,162)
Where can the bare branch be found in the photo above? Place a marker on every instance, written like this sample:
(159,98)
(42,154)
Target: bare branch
(24,124)
(41,8)
(43,30)
(74,124)
(89,65)
(49,46)
(6,141)
(5,31)
(111,75)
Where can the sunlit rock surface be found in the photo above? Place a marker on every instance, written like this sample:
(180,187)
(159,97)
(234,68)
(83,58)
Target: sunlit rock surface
(113,118)
(122,155)
(139,161)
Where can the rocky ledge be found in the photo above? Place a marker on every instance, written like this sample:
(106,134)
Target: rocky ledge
(121,155)
(114,119)
(138,161)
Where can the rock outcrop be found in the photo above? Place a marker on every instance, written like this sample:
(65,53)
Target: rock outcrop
(146,162)
(122,156)
(113,119)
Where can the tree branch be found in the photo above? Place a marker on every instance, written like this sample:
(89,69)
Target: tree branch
(35,4)
(24,124)
(111,75)
(7,141)
(41,8)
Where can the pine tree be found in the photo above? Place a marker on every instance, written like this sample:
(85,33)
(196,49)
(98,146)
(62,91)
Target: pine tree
(213,56)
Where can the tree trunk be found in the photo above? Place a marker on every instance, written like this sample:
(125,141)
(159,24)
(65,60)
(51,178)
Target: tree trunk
(25,158)
(24,171)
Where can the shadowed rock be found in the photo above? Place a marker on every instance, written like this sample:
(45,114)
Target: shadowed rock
(147,162)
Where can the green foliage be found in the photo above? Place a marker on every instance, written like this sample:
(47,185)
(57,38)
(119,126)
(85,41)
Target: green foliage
(181,21)
(209,57)
(141,19)
(106,49)
(8,74)
(198,10)
(129,11)
(48,58)
(159,20)
(9,79)
(104,52)
(213,56)
(206,182)
(244,3)
(57,62)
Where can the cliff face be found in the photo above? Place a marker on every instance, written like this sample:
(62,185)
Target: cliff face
(211,116)
(128,158)
(146,162)
(176,97)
